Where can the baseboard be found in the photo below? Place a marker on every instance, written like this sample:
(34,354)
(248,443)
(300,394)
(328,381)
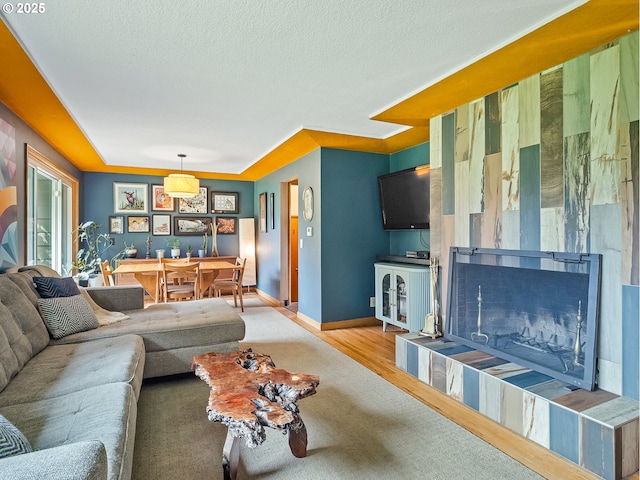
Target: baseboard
(268,299)
(356,322)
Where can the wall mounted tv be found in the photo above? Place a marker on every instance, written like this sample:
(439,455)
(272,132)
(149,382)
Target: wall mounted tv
(404,199)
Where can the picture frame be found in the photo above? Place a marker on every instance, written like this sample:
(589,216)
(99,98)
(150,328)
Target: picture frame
(225,202)
(160,201)
(272,209)
(138,224)
(161,224)
(116,224)
(191,225)
(263,212)
(226,225)
(130,197)
(196,204)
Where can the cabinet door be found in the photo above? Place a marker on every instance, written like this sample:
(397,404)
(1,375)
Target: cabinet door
(401,299)
(387,296)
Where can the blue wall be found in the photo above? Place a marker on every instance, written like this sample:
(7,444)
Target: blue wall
(97,204)
(402,240)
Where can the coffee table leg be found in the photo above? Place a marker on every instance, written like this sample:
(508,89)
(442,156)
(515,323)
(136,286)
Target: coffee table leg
(298,438)
(230,457)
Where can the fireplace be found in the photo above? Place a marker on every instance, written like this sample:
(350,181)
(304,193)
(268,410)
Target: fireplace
(536,309)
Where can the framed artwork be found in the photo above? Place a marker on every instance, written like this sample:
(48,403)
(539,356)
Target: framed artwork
(307,204)
(161,225)
(224,202)
(197,204)
(272,209)
(116,225)
(263,212)
(191,225)
(138,224)
(160,201)
(226,225)
(130,197)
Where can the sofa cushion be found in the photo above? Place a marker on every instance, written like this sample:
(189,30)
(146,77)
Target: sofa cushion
(106,413)
(22,332)
(66,315)
(62,369)
(12,441)
(50,287)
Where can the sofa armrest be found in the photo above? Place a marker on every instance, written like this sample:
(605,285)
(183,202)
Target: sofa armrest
(118,299)
(76,461)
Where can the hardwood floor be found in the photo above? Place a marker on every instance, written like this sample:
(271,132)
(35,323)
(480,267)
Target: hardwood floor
(375,349)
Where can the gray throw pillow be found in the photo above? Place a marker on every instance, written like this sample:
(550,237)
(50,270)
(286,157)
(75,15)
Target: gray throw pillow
(66,315)
(12,441)
(51,287)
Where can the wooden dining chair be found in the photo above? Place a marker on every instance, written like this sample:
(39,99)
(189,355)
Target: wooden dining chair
(180,281)
(234,285)
(107,274)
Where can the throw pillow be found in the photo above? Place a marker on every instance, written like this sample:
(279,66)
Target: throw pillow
(50,287)
(66,315)
(12,441)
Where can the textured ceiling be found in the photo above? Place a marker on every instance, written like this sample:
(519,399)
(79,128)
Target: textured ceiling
(226,82)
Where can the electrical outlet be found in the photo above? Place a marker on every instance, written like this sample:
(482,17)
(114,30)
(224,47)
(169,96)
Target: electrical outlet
(372,301)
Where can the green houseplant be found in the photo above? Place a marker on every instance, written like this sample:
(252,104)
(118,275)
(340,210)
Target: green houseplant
(174,243)
(202,251)
(93,245)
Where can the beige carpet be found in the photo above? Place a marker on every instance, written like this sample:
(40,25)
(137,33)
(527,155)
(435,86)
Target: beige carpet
(360,426)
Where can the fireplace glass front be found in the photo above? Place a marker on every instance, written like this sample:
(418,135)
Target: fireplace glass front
(536,309)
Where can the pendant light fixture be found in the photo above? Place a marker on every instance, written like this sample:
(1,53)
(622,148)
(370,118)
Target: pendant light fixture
(181,185)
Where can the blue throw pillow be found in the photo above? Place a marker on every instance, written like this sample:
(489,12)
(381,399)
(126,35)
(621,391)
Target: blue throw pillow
(50,287)
(66,315)
(12,441)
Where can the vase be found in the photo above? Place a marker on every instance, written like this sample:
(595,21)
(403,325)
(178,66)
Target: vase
(160,253)
(175,253)
(188,255)
(202,253)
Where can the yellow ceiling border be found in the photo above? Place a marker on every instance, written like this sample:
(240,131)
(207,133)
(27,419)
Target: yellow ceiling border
(595,23)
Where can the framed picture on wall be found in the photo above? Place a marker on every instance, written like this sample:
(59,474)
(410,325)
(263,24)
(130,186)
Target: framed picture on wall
(272,209)
(160,201)
(197,204)
(263,212)
(191,225)
(116,225)
(130,197)
(138,224)
(226,225)
(224,202)
(161,225)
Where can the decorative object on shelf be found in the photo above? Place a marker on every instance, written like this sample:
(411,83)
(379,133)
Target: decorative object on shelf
(130,197)
(148,254)
(116,225)
(224,202)
(432,323)
(189,251)
(191,225)
(174,243)
(263,212)
(307,204)
(161,201)
(226,225)
(195,204)
(202,251)
(162,224)
(181,185)
(94,244)
(214,240)
(130,251)
(138,224)
(160,253)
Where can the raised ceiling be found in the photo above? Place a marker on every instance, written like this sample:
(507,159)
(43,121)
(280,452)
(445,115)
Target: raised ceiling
(244,86)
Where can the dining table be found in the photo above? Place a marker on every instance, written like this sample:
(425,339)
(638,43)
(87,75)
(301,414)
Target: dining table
(148,274)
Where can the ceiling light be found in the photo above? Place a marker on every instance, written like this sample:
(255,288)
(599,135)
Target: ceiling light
(181,185)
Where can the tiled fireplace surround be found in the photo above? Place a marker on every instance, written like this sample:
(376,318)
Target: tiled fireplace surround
(597,430)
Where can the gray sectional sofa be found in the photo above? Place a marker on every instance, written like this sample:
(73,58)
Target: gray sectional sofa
(74,399)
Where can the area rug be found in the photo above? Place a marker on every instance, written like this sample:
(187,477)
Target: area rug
(359,425)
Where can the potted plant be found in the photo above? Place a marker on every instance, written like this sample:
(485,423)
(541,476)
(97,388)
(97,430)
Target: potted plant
(202,251)
(92,244)
(175,247)
(189,251)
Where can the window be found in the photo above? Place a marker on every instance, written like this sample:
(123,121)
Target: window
(52,213)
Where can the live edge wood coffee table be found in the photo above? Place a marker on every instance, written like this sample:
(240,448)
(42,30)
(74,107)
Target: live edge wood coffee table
(249,393)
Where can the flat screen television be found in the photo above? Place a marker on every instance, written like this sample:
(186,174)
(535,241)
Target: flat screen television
(404,199)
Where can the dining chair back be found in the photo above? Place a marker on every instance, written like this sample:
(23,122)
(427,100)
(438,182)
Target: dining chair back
(180,281)
(107,274)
